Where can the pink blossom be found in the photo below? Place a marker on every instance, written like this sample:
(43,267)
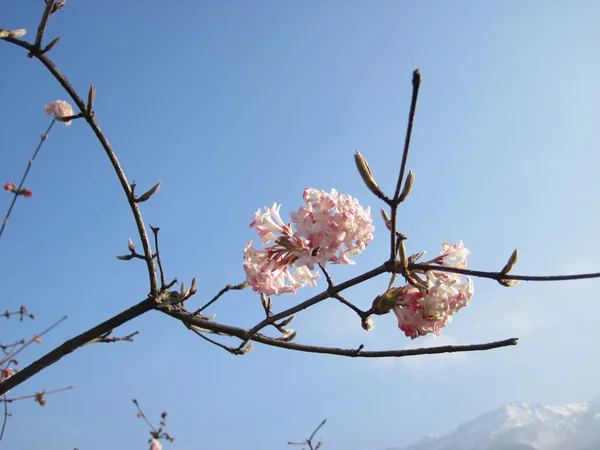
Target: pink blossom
(334,225)
(26,193)
(155,445)
(423,311)
(59,108)
(6,373)
(330,228)
(10,187)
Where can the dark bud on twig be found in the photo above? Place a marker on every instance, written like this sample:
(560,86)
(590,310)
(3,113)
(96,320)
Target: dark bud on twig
(91,96)
(51,45)
(193,288)
(365,172)
(509,283)
(416,81)
(125,257)
(408,184)
(148,194)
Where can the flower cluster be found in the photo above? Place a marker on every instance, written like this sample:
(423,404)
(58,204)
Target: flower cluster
(60,109)
(421,311)
(11,187)
(330,228)
(6,373)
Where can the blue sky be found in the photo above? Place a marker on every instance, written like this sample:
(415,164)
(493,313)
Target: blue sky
(234,105)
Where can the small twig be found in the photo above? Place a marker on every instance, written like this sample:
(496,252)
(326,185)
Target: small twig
(497,275)
(416,83)
(34,339)
(42,27)
(212,341)
(229,287)
(327,276)
(5,417)
(354,308)
(16,194)
(24,397)
(163,282)
(309,441)
(142,415)
(108,340)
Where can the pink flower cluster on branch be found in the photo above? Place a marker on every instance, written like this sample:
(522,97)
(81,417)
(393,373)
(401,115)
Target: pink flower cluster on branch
(426,306)
(11,187)
(332,227)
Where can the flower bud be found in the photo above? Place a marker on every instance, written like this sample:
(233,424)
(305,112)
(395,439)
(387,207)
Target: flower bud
(365,172)
(148,194)
(367,323)
(130,245)
(509,283)
(386,219)
(408,184)
(511,262)
(17,33)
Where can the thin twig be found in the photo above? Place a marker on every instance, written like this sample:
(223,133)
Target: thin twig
(5,417)
(24,397)
(327,276)
(354,308)
(498,275)
(142,415)
(317,298)
(229,287)
(163,281)
(42,27)
(14,200)
(47,330)
(416,83)
(212,341)
(109,340)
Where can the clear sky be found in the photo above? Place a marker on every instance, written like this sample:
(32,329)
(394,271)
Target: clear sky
(234,105)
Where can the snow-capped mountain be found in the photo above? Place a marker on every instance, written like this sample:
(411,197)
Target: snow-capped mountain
(521,426)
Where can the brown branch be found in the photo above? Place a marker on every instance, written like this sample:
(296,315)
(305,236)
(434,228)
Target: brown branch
(229,287)
(89,117)
(416,83)
(76,342)
(317,298)
(42,27)
(163,282)
(241,333)
(497,275)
